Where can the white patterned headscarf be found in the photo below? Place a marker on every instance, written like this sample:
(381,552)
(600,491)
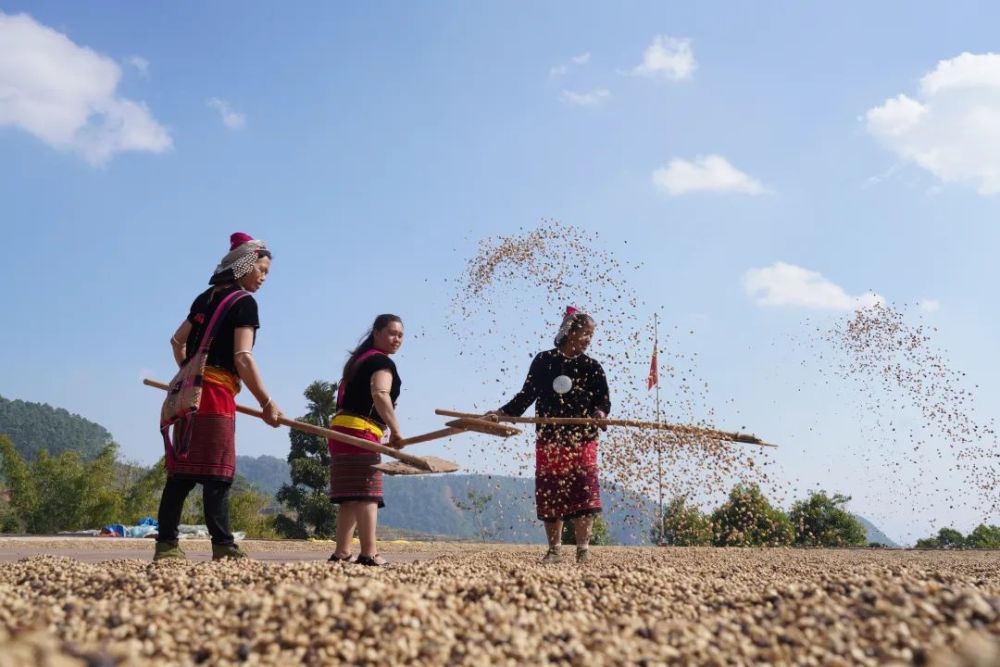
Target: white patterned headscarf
(244,251)
(570,317)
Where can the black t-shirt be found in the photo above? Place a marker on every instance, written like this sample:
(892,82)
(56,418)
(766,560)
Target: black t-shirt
(358,393)
(243,313)
(585,389)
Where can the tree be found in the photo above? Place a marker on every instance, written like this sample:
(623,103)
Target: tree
(23,494)
(60,493)
(142,494)
(34,427)
(947,538)
(311,512)
(927,543)
(822,521)
(683,525)
(246,510)
(476,505)
(748,519)
(599,533)
(984,537)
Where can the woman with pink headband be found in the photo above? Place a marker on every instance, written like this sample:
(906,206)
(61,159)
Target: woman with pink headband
(565,382)
(207,454)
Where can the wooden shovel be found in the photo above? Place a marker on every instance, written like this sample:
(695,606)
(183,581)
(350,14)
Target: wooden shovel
(426,464)
(634,423)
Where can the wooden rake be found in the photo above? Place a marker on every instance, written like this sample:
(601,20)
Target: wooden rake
(408,463)
(682,429)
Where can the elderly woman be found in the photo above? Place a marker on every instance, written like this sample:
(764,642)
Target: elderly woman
(565,382)
(208,456)
(366,401)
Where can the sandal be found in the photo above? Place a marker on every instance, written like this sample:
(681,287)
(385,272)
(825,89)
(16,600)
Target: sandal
(372,561)
(341,559)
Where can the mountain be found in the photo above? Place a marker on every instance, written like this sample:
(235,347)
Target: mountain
(265,472)
(430,504)
(33,427)
(875,536)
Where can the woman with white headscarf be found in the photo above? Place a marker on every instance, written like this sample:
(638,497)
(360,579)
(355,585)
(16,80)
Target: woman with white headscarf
(206,455)
(565,382)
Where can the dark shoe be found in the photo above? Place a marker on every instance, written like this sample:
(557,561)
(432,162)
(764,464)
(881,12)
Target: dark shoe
(341,559)
(552,556)
(168,551)
(222,551)
(371,561)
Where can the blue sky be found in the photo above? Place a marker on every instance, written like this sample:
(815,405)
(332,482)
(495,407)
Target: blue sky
(767,163)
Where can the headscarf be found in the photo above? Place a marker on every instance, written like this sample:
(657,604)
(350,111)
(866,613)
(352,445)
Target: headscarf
(570,317)
(244,251)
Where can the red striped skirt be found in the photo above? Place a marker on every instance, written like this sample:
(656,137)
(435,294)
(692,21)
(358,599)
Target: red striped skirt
(566,480)
(351,475)
(212,451)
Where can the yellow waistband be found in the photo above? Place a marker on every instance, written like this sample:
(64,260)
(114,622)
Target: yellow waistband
(224,378)
(358,423)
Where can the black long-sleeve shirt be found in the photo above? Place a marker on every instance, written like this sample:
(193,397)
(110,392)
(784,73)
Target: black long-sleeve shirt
(586,390)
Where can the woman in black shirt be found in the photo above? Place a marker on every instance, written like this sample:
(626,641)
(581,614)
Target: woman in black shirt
(565,382)
(208,457)
(366,408)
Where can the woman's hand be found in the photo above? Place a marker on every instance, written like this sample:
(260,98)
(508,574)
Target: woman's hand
(395,438)
(600,414)
(272,413)
(494,415)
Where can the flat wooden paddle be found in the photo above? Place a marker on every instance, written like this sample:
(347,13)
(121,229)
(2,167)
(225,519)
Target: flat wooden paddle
(633,423)
(480,425)
(427,464)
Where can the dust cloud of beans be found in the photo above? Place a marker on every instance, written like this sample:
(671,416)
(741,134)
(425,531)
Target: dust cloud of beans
(507,305)
(916,412)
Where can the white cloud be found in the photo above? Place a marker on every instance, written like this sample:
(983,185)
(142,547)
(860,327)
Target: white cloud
(667,58)
(66,95)
(709,173)
(232,119)
(575,61)
(952,127)
(139,63)
(591,98)
(784,284)
(929,305)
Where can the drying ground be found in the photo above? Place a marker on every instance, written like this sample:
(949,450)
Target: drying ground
(99,603)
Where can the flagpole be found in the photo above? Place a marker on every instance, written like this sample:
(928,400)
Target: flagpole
(659,448)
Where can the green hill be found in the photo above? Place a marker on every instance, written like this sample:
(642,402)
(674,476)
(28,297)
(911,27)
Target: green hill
(430,505)
(265,472)
(874,535)
(33,427)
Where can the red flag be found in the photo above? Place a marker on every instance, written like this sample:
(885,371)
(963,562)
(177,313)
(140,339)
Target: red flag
(654,374)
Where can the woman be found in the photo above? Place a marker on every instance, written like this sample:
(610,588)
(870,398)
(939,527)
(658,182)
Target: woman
(366,402)
(210,459)
(565,382)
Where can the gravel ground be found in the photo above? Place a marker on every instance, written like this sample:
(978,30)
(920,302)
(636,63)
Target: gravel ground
(487,604)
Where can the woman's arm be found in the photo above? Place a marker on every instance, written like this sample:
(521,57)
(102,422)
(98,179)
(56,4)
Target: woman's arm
(528,394)
(601,394)
(381,386)
(178,342)
(246,367)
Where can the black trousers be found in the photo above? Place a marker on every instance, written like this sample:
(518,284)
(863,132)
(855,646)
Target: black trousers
(215,495)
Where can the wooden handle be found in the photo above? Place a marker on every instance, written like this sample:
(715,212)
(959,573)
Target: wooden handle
(415,461)
(433,435)
(634,423)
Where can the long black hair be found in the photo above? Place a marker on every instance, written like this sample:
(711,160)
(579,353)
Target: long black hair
(367,343)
